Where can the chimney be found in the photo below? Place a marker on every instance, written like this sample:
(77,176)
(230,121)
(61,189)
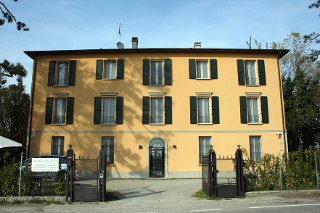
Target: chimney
(134,42)
(197,44)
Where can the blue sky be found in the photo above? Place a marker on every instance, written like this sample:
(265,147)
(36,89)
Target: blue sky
(82,24)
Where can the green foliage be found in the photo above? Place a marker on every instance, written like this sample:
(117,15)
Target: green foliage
(9,17)
(297,171)
(14,112)
(9,176)
(60,184)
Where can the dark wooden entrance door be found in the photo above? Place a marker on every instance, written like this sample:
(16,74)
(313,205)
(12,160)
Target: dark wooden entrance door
(156,161)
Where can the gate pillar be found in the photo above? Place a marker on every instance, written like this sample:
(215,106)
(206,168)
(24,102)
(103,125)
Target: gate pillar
(239,172)
(102,175)
(213,173)
(70,175)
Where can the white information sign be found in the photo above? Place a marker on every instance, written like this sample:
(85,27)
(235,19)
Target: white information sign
(45,165)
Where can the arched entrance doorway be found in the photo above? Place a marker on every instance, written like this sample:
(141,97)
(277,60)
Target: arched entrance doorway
(156,158)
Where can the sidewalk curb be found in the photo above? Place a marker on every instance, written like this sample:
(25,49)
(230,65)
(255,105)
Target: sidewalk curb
(284,193)
(33,199)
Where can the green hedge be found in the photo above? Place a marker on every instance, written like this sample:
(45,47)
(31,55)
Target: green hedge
(294,171)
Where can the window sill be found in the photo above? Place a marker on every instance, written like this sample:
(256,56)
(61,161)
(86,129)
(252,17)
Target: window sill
(255,123)
(203,78)
(64,124)
(109,79)
(108,124)
(61,85)
(156,85)
(157,124)
(257,85)
(204,123)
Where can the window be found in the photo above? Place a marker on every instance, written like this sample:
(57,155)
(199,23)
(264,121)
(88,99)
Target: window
(255,148)
(250,73)
(204,109)
(108,110)
(61,76)
(57,145)
(62,73)
(204,147)
(110,69)
(156,76)
(108,115)
(157,72)
(254,110)
(59,111)
(247,72)
(108,147)
(202,70)
(156,108)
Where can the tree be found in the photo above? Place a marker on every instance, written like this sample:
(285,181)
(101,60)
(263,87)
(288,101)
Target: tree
(301,89)
(10,70)
(9,17)
(14,109)
(315,4)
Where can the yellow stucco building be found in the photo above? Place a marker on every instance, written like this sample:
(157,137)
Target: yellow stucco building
(156,111)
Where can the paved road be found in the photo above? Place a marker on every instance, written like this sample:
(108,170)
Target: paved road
(175,196)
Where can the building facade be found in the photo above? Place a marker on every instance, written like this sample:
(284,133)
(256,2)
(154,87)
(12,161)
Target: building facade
(156,111)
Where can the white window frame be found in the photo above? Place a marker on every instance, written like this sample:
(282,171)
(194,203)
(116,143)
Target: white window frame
(201,154)
(59,147)
(162,76)
(54,111)
(163,110)
(208,69)
(102,110)
(249,82)
(104,69)
(113,151)
(210,109)
(255,155)
(65,81)
(259,109)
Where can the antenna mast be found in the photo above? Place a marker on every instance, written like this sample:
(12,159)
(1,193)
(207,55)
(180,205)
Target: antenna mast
(119,31)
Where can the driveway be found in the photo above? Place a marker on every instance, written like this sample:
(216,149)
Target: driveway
(175,195)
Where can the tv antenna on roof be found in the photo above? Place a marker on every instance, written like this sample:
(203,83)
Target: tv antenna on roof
(120,44)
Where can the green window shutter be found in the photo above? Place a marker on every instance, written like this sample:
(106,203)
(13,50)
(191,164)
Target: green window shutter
(145,109)
(120,69)
(70,106)
(193,110)
(264,109)
(262,72)
(99,69)
(72,73)
(240,65)
(52,68)
(214,69)
(167,72)
(48,119)
(215,110)
(119,110)
(168,109)
(146,71)
(243,109)
(97,110)
(192,69)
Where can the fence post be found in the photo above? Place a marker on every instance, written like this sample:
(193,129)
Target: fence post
(213,173)
(70,170)
(239,172)
(280,174)
(316,166)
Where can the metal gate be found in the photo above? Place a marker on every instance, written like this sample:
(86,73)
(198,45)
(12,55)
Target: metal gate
(212,187)
(86,178)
